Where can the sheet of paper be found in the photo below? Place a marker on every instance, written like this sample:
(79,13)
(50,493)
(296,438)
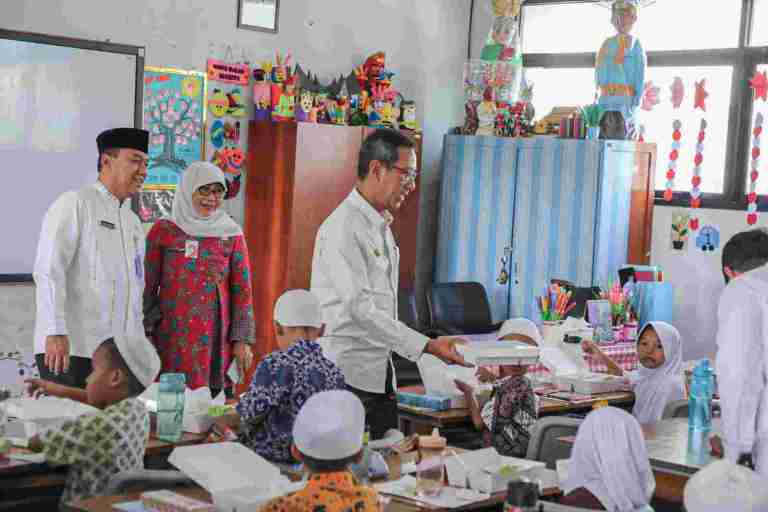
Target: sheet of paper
(559,361)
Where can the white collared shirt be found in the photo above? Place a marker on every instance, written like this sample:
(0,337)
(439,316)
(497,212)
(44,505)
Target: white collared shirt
(355,277)
(742,365)
(89,270)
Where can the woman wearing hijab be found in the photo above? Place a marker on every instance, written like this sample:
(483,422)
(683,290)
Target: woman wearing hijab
(660,377)
(197,299)
(609,468)
(507,418)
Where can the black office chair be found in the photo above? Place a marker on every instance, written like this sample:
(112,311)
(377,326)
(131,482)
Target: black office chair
(406,371)
(460,308)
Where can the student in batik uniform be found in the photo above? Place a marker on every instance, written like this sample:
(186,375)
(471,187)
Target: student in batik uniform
(285,379)
(98,446)
(507,418)
(197,299)
(328,444)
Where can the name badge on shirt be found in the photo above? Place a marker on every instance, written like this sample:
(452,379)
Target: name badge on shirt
(107,224)
(191,248)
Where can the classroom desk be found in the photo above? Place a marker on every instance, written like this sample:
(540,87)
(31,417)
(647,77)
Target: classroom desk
(416,420)
(104,503)
(674,453)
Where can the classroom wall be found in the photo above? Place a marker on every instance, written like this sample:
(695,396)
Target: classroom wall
(425,42)
(695,275)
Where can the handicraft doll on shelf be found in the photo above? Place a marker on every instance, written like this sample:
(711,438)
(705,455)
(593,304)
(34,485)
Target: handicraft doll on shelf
(486,114)
(408,115)
(262,103)
(620,73)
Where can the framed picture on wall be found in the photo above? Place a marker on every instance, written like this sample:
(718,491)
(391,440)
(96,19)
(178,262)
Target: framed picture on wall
(258,15)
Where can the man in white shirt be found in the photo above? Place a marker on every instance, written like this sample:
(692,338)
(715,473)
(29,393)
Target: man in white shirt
(355,275)
(742,334)
(89,269)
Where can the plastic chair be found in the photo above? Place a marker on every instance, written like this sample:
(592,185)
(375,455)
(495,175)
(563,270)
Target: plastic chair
(460,308)
(146,480)
(544,445)
(679,409)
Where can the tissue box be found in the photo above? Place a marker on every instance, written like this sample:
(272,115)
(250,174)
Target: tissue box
(590,383)
(438,403)
(167,501)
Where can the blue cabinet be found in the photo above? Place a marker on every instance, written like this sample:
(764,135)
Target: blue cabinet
(531,210)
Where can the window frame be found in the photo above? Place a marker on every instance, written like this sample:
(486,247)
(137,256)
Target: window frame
(744,60)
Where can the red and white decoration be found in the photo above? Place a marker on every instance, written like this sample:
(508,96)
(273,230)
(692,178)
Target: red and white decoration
(754,174)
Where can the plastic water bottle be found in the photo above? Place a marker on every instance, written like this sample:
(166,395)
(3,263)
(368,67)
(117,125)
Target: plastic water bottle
(360,470)
(170,406)
(700,398)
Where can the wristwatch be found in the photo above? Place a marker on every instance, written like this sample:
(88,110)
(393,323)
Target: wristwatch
(745,459)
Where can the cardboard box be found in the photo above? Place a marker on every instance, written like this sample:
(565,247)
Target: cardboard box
(491,353)
(487,471)
(590,383)
(237,478)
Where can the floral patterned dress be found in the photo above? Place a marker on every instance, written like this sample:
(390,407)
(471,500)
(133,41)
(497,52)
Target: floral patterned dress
(197,302)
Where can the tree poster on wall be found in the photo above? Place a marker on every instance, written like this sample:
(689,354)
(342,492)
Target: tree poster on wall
(174,115)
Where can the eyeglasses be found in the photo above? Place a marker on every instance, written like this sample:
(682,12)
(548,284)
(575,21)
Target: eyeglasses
(406,175)
(207,190)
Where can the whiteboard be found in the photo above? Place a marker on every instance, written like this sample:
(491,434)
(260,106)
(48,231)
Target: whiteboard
(54,101)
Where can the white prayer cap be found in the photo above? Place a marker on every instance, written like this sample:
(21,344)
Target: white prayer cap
(520,326)
(140,356)
(298,308)
(330,426)
(723,485)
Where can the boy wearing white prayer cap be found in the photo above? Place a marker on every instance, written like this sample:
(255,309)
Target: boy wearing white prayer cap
(507,419)
(328,437)
(723,485)
(98,446)
(286,378)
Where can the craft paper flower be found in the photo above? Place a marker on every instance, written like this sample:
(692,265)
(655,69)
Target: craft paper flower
(190,86)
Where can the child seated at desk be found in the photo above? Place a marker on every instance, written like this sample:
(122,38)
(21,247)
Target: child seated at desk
(609,468)
(507,418)
(99,446)
(660,378)
(328,437)
(285,379)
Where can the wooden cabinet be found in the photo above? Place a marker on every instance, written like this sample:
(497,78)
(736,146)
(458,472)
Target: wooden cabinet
(516,213)
(298,174)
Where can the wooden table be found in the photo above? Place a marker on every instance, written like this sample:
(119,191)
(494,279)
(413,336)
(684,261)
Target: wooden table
(104,503)
(675,454)
(417,420)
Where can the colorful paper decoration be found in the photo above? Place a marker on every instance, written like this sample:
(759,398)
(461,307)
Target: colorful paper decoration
(754,174)
(759,84)
(677,92)
(700,95)
(696,179)
(218,103)
(674,153)
(708,238)
(650,96)
(230,73)
(174,115)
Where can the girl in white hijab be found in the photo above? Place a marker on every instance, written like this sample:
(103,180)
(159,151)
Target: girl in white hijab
(609,463)
(660,377)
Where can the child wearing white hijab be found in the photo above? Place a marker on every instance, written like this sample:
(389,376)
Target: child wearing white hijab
(507,418)
(609,464)
(722,486)
(660,377)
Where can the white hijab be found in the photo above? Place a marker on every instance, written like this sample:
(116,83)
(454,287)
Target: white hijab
(184,215)
(655,387)
(722,486)
(609,459)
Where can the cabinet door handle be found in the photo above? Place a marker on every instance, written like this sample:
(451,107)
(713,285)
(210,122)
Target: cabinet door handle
(517,281)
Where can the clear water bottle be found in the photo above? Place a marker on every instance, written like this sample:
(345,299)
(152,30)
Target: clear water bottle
(700,398)
(170,406)
(361,469)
